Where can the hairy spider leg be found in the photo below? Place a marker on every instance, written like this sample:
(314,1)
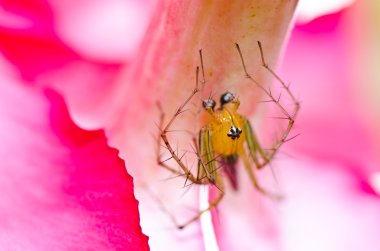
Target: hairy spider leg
(254,148)
(219,184)
(252,177)
(163,135)
(253,145)
(158,147)
(207,164)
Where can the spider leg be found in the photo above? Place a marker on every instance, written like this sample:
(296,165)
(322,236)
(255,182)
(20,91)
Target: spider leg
(207,169)
(160,161)
(220,185)
(254,180)
(267,157)
(290,117)
(163,135)
(254,146)
(207,162)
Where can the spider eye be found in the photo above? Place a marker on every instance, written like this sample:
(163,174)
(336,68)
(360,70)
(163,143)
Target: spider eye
(209,103)
(226,98)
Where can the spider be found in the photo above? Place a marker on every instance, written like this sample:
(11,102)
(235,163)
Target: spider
(226,137)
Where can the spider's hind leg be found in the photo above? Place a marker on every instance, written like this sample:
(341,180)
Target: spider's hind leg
(220,185)
(184,170)
(208,171)
(254,180)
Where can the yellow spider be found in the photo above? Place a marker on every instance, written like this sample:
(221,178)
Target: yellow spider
(226,137)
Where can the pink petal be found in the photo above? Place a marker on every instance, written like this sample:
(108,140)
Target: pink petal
(100,30)
(248,220)
(310,10)
(42,57)
(322,210)
(64,188)
(331,122)
(109,30)
(327,210)
(34,50)
(37,11)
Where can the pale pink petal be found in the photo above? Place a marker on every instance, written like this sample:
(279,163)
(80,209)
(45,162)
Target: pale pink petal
(41,56)
(319,62)
(365,45)
(42,59)
(331,204)
(248,220)
(312,9)
(63,187)
(327,208)
(110,31)
(375,182)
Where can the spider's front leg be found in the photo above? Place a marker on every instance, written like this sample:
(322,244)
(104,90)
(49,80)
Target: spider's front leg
(259,156)
(289,116)
(164,137)
(160,161)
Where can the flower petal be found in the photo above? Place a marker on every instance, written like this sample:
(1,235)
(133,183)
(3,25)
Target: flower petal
(64,188)
(37,50)
(102,30)
(327,210)
(331,122)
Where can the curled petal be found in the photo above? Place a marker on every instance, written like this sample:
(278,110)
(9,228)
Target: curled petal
(64,188)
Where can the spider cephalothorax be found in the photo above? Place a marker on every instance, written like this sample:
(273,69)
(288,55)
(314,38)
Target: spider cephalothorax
(226,127)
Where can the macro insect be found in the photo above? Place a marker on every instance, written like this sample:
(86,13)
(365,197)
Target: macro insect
(226,137)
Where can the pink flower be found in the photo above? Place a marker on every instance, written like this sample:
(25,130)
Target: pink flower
(67,190)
